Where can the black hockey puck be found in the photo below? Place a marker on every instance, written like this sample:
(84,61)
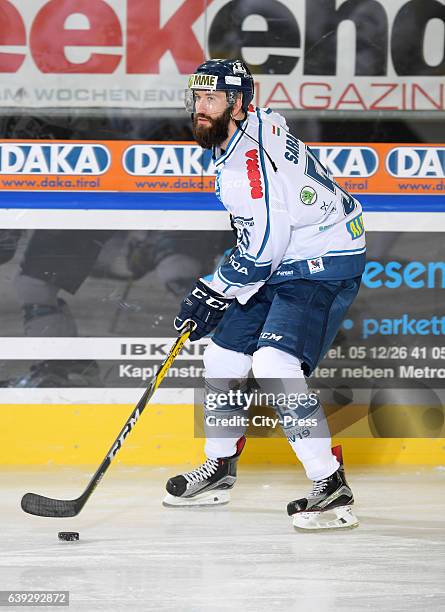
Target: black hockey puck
(68,536)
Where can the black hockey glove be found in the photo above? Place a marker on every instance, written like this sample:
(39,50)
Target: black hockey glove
(204,307)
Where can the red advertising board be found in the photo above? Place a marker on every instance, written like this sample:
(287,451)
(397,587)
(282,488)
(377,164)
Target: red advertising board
(384,55)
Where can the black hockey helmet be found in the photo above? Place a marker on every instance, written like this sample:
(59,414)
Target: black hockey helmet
(230,75)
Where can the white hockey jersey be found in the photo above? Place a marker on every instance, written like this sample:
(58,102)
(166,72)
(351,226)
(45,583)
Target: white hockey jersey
(292,219)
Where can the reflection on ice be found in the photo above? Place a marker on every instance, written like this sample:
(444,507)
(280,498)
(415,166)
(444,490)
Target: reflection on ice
(134,554)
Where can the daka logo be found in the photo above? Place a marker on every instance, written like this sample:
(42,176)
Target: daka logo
(354,161)
(59,159)
(416,162)
(168,160)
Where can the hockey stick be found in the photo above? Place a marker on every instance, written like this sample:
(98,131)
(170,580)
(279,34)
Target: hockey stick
(46,506)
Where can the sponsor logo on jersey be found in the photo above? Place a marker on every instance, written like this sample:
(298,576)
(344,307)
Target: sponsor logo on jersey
(308,196)
(68,159)
(244,221)
(315,265)
(167,160)
(323,228)
(236,265)
(203,81)
(254,174)
(354,161)
(416,162)
(356,227)
(285,273)
(270,336)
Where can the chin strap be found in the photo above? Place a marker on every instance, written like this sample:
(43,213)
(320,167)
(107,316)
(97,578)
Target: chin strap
(239,125)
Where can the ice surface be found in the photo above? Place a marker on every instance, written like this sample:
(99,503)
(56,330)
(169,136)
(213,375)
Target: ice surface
(134,554)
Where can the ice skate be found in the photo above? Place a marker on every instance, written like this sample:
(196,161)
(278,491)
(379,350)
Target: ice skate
(328,506)
(206,485)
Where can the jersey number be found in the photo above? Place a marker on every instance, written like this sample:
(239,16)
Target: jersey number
(317,172)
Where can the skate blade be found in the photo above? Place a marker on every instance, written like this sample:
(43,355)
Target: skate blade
(210,498)
(317,521)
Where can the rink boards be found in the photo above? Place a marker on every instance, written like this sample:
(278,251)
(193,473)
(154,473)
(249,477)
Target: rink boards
(65,427)
(78,434)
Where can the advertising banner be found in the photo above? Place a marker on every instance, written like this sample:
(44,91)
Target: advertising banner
(91,286)
(183,167)
(374,55)
(92,308)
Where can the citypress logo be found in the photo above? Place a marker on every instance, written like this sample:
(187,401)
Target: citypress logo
(348,161)
(167,160)
(394,274)
(57,159)
(416,162)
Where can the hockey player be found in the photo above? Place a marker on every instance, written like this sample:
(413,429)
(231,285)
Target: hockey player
(56,260)
(279,300)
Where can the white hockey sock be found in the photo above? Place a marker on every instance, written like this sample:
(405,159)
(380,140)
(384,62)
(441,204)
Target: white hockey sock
(224,368)
(313,452)
(316,456)
(215,448)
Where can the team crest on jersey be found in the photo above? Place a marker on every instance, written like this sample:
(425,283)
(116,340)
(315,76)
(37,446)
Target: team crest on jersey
(315,265)
(308,196)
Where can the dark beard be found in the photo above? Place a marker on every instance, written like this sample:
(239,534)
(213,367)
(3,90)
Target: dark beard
(216,133)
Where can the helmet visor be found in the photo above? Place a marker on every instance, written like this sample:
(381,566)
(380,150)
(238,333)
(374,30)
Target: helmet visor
(207,83)
(208,102)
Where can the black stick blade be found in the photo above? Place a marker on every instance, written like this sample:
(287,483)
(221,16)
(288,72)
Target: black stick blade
(46,506)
